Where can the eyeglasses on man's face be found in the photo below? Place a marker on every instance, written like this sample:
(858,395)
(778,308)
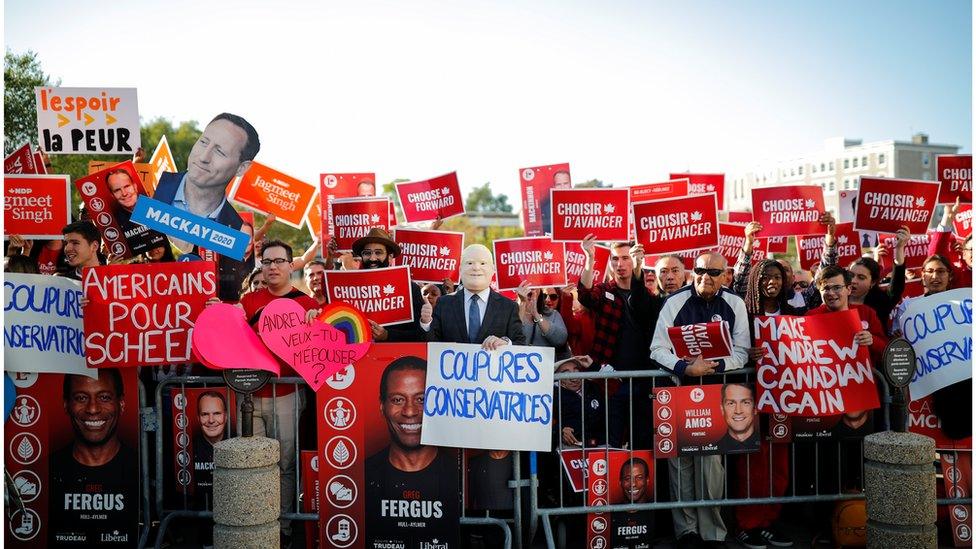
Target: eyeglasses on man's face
(279,261)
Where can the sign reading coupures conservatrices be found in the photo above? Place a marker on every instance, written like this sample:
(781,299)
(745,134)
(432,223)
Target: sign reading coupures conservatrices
(87,120)
(499,399)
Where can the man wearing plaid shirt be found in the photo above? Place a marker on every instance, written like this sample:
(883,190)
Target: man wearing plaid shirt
(625,314)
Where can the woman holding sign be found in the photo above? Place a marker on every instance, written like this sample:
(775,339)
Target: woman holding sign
(541,322)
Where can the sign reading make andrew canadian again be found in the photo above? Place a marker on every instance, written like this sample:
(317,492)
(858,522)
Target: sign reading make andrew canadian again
(431,255)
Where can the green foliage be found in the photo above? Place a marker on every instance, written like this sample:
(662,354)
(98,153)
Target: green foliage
(21,73)
(180,138)
(591,184)
(479,235)
(389,189)
(481,199)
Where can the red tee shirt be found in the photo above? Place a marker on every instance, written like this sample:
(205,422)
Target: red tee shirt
(254,303)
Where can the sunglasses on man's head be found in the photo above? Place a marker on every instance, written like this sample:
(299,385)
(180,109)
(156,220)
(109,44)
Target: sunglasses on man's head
(710,272)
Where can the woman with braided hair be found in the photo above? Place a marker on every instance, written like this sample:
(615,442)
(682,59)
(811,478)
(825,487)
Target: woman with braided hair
(765,295)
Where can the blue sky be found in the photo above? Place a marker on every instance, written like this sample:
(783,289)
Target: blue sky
(625,91)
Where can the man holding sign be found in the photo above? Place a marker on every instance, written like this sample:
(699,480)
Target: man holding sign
(704,301)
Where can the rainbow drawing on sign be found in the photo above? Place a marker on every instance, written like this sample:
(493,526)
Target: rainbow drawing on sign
(347,319)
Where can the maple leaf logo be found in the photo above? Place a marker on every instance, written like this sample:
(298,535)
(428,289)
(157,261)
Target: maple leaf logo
(919,202)
(842,239)
(547,255)
(608,208)
(388,289)
(446,191)
(696,216)
(445,250)
(810,203)
(375,218)
(710,187)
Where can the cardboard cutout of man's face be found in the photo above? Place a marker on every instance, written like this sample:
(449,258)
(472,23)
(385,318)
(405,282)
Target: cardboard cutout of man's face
(477,268)
(215,158)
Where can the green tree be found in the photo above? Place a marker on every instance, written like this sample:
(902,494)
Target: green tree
(389,189)
(181,138)
(481,199)
(591,184)
(21,74)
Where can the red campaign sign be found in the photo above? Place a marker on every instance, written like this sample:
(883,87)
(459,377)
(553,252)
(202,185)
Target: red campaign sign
(110,197)
(790,210)
(777,244)
(704,183)
(963,221)
(812,367)
(341,185)
(710,340)
(955,172)
(687,258)
(922,420)
(916,250)
(201,417)
(957,479)
(57,490)
(691,421)
(141,315)
(383,295)
(656,191)
(354,217)
(270,191)
(810,248)
(577,213)
(576,262)
(618,477)
(431,255)
(884,205)
(431,198)
(39,162)
(364,500)
(784,429)
(731,239)
(310,495)
(36,206)
(536,258)
(677,224)
(536,183)
(740,217)
(574,465)
(21,161)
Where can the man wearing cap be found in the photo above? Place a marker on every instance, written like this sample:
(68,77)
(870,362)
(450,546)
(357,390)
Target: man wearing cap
(376,249)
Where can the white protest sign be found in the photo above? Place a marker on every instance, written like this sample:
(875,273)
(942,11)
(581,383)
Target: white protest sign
(42,326)
(494,400)
(939,328)
(87,120)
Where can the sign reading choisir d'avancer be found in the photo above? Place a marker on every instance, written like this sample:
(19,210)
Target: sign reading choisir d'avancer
(87,120)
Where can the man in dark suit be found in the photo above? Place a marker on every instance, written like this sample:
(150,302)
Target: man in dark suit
(224,151)
(475,313)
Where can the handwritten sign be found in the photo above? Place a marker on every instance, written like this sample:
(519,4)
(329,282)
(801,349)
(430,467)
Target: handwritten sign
(498,399)
(789,210)
(223,340)
(141,315)
(884,204)
(677,224)
(431,198)
(812,367)
(36,206)
(955,172)
(710,340)
(315,350)
(271,192)
(939,328)
(536,258)
(579,212)
(195,229)
(42,325)
(354,217)
(383,295)
(431,255)
(87,120)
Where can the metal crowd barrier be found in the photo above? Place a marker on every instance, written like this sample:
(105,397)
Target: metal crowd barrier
(153,420)
(660,378)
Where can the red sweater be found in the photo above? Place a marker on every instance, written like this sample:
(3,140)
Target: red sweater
(962,274)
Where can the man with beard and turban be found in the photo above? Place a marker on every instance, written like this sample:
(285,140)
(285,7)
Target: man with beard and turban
(94,493)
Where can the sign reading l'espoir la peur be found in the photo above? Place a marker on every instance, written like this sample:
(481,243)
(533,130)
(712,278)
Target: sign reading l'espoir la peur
(87,120)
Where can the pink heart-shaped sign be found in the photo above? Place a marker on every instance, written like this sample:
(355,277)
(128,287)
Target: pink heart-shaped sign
(315,350)
(223,340)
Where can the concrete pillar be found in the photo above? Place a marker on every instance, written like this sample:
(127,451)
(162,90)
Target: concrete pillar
(899,484)
(247,493)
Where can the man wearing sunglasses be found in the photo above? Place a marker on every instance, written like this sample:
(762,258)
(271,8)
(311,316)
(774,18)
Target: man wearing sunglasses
(705,300)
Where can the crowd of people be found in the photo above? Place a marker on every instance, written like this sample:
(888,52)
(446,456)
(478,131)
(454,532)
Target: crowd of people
(618,323)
